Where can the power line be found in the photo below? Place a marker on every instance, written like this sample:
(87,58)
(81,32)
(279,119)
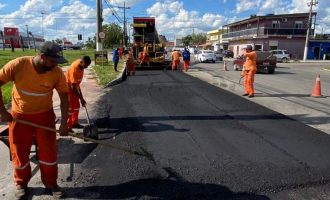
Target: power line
(114,12)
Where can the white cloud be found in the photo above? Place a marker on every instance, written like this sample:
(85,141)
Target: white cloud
(245,5)
(2,5)
(127,2)
(173,19)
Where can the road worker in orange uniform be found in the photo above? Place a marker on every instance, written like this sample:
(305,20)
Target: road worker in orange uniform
(176,60)
(34,80)
(145,57)
(74,76)
(121,51)
(131,66)
(250,69)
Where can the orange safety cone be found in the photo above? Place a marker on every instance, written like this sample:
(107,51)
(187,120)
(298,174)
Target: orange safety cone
(225,66)
(317,88)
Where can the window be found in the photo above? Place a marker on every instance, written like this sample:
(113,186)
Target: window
(276,24)
(298,24)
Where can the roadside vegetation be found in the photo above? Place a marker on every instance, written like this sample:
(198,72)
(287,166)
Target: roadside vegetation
(106,73)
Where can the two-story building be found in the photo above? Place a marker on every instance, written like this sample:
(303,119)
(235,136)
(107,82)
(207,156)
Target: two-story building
(270,32)
(214,39)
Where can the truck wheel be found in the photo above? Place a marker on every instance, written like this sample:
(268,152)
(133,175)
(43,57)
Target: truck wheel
(284,60)
(235,67)
(213,61)
(271,71)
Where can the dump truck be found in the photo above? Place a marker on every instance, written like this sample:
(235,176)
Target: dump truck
(144,32)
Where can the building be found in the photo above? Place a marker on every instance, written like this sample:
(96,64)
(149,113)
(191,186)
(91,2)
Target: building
(214,40)
(178,42)
(270,32)
(20,39)
(319,47)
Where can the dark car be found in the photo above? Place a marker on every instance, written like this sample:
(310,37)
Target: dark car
(266,62)
(228,54)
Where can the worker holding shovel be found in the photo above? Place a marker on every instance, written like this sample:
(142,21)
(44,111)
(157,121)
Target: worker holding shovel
(74,76)
(34,80)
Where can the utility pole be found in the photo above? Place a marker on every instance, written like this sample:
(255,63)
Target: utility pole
(28,35)
(311,4)
(99,44)
(124,25)
(42,24)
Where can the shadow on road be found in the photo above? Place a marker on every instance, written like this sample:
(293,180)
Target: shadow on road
(158,123)
(160,189)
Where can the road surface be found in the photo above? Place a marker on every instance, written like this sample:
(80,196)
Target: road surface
(202,142)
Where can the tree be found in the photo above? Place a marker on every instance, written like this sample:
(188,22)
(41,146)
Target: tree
(91,43)
(187,40)
(113,35)
(59,41)
(199,38)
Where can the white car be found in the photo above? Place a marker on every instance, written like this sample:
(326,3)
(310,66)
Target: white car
(205,56)
(281,55)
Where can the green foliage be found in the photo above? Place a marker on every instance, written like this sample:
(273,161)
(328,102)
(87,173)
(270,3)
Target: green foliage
(105,74)
(187,40)
(113,35)
(91,43)
(194,39)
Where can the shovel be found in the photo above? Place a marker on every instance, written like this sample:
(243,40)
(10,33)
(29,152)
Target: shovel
(90,131)
(113,146)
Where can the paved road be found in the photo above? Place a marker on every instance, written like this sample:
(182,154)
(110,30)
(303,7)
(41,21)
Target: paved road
(204,143)
(287,91)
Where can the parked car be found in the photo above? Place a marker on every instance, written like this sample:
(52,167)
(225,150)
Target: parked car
(205,56)
(228,54)
(281,55)
(218,56)
(266,62)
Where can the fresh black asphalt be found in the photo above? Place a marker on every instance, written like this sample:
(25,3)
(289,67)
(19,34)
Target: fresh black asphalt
(204,142)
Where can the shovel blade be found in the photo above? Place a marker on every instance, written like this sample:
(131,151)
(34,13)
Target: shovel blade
(91,131)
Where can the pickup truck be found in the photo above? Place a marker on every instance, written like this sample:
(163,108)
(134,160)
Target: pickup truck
(266,62)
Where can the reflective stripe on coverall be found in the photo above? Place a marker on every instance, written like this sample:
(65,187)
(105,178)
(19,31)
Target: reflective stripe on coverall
(21,137)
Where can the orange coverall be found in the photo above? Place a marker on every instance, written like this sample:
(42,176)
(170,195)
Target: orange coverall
(32,101)
(74,75)
(131,63)
(145,58)
(121,51)
(176,60)
(250,71)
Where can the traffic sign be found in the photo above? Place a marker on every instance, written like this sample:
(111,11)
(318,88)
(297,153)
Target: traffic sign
(102,35)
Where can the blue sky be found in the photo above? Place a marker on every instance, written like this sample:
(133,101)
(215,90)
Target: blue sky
(67,18)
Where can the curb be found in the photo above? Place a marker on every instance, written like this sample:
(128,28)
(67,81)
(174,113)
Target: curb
(120,79)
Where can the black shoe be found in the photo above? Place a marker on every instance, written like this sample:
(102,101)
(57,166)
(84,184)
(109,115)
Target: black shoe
(56,192)
(244,95)
(77,126)
(21,193)
(251,96)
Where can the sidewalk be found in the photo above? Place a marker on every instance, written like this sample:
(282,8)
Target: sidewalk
(71,155)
